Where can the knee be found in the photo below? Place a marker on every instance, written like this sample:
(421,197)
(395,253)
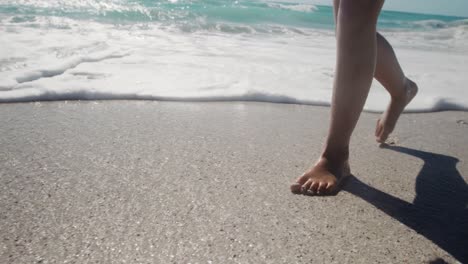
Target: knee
(359,12)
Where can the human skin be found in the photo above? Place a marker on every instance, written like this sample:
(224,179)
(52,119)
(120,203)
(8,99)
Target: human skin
(362,54)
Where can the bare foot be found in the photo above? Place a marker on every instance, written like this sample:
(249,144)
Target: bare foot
(323,179)
(386,123)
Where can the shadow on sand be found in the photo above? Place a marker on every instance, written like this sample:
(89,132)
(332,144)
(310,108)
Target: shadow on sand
(439,212)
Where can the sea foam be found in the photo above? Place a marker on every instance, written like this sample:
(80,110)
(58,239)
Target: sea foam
(49,57)
(294,7)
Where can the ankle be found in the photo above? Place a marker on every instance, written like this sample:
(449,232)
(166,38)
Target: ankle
(401,93)
(336,155)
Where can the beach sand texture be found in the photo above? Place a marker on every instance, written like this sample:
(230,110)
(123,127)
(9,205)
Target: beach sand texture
(167,182)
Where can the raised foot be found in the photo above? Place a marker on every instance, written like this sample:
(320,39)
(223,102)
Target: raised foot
(323,179)
(386,123)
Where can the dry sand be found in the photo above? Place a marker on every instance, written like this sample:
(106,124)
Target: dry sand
(166,182)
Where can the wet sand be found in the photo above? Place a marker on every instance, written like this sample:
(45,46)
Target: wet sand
(167,182)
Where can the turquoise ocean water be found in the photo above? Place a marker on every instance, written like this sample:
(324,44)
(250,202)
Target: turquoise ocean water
(212,14)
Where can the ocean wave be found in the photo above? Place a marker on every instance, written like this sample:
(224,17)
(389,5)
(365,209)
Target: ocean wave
(439,24)
(54,7)
(198,25)
(185,12)
(70,64)
(181,12)
(30,93)
(294,7)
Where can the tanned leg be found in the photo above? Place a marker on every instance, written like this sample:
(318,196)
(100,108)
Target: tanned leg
(402,90)
(389,73)
(355,66)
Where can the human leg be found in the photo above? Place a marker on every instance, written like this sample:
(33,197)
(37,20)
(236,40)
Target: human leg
(355,66)
(389,73)
(401,89)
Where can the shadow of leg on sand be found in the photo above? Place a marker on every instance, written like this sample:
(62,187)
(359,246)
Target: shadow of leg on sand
(439,212)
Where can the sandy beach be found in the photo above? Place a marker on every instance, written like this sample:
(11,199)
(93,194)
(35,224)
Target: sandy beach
(168,182)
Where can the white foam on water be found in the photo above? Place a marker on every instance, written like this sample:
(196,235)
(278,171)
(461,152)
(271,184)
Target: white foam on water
(432,23)
(51,58)
(294,7)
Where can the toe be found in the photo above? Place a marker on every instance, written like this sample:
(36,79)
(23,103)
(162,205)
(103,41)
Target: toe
(383,136)
(303,179)
(306,186)
(321,188)
(297,186)
(378,128)
(330,187)
(379,140)
(313,187)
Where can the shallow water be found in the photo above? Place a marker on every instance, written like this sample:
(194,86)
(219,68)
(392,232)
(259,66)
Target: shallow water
(211,50)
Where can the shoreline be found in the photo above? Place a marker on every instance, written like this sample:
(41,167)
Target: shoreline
(454,108)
